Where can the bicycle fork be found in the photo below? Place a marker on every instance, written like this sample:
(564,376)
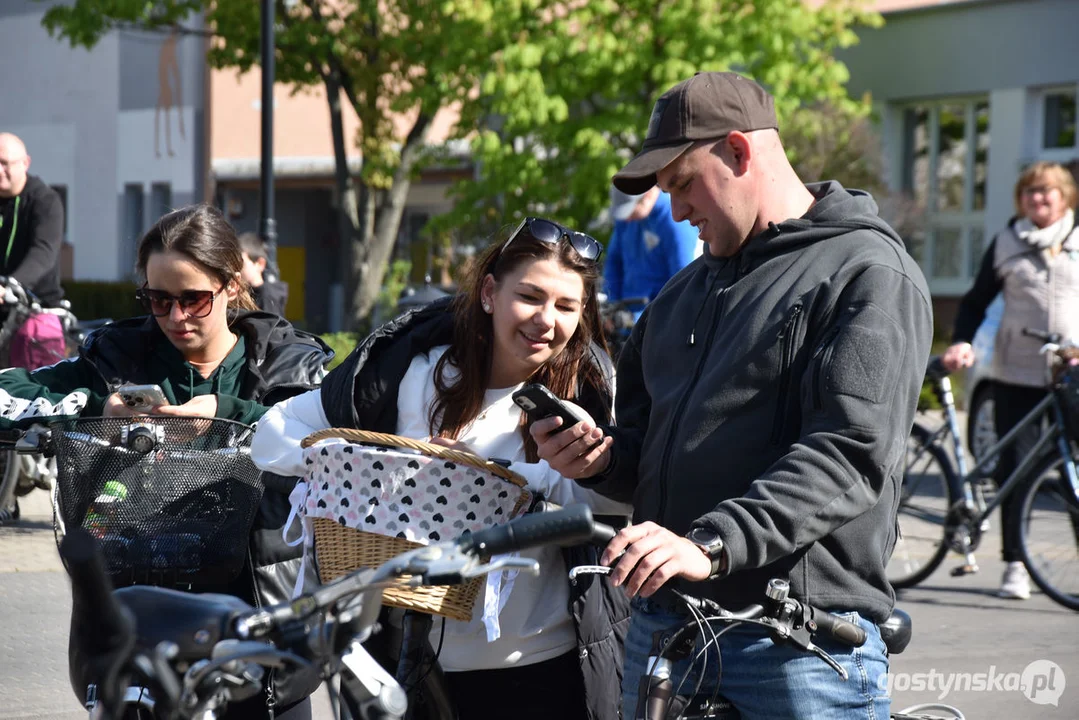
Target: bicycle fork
(972,497)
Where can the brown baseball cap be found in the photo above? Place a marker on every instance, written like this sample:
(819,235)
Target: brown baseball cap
(708,105)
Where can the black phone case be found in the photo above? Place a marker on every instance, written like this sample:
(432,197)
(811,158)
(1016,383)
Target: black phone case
(539,403)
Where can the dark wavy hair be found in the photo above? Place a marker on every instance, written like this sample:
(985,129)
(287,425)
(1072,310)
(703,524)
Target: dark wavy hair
(203,234)
(471,350)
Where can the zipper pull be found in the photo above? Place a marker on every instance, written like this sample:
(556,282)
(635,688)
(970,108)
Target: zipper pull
(692,334)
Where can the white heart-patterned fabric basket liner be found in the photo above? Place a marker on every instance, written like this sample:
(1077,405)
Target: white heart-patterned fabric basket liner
(405,494)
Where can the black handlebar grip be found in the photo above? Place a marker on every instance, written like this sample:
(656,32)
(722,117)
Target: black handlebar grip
(839,629)
(936,367)
(569,526)
(103,621)
(1044,336)
(602,534)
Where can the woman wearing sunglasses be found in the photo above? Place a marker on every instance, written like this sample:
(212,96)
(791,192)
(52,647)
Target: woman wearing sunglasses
(527,313)
(213,355)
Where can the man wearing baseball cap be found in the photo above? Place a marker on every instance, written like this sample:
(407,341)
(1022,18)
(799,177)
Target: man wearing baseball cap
(647,246)
(763,404)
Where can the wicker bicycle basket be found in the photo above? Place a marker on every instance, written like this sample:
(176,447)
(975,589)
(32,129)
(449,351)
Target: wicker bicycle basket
(171,500)
(403,493)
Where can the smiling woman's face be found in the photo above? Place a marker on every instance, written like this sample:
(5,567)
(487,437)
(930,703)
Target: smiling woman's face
(534,310)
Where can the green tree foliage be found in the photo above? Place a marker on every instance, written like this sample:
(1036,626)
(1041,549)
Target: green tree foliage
(552,94)
(566,102)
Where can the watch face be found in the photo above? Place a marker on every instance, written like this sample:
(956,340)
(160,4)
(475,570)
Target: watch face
(703,536)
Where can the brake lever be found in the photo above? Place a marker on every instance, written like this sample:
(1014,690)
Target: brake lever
(504,563)
(803,638)
(588,570)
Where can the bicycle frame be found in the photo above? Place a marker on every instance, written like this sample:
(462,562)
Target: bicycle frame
(1054,435)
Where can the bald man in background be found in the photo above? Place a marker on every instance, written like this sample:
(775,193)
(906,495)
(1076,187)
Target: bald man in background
(31,224)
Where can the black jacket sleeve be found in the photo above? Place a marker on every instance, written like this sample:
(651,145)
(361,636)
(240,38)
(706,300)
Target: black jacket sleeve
(863,388)
(632,409)
(44,236)
(972,306)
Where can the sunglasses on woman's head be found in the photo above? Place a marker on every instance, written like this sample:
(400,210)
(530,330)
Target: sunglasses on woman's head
(193,303)
(548,231)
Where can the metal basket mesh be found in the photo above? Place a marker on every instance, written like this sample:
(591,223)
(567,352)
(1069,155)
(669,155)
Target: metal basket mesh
(171,500)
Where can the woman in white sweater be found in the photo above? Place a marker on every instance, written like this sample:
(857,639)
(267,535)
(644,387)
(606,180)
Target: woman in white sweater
(527,313)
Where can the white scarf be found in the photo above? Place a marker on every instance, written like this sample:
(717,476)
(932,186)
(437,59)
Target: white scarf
(1047,237)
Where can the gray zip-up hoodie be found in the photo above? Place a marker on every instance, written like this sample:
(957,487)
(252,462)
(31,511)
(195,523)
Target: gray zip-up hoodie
(770,395)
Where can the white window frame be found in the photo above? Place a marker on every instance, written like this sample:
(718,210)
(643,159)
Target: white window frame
(965,219)
(1038,96)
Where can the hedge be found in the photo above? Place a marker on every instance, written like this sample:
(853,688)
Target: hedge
(92,300)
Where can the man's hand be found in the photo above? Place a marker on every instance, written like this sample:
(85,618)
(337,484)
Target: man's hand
(116,407)
(579,451)
(198,406)
(653,556)
(961,354)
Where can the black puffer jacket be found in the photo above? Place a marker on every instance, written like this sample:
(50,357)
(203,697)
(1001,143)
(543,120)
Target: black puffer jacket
(281,362)
(362,393)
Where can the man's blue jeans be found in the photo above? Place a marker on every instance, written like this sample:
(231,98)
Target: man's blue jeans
(764,680)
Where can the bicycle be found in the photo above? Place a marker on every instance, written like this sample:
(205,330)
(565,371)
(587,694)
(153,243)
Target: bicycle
(784,618)
(195,654)
(21,475)
(942,508)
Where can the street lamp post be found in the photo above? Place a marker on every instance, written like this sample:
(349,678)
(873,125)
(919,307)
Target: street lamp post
(267,223)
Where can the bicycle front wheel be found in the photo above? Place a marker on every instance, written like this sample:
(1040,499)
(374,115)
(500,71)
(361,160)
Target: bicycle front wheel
(925,498)
(1049,533)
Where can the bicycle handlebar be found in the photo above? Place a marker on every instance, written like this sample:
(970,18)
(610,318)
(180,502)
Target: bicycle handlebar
(570,526)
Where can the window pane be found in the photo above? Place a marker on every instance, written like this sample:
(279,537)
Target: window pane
(981,153)
(951,158)
(1059,120)
(916,154)
(134,208)
(946,252)
(977,249)
(160,200)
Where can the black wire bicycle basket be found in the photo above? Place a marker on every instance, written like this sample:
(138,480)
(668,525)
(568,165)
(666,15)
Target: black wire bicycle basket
(171,500)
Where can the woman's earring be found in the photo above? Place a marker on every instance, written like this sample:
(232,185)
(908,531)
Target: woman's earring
(486,307)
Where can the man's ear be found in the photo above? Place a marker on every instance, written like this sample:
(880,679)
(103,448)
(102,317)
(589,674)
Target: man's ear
(741,151)
(261,262)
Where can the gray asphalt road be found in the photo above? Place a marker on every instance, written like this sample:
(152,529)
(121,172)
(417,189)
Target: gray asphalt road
(970,649)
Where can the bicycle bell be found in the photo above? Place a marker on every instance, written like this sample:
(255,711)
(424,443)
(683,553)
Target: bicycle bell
(141,437)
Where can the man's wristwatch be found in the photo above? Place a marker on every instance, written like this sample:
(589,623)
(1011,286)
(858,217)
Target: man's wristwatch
(711,544)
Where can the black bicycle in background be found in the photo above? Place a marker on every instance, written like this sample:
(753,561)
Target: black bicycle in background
(945,507)
(20,475)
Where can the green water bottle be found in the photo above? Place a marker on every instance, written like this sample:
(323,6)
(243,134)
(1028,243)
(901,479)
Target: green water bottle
(103,509)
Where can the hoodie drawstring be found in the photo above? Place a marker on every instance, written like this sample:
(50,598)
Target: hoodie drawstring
(692,340)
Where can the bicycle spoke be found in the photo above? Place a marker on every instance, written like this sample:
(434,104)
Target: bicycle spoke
(923,509)
(1050,527)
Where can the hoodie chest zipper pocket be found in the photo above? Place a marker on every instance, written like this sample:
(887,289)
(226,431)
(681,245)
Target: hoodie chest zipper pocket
(787,339)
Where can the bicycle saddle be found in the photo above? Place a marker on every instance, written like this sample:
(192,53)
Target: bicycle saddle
(895,631)
(195,622)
